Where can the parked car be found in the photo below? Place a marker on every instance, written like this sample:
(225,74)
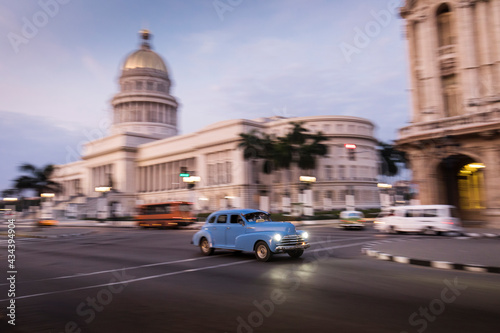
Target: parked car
(250,230)
(429,219)
(352,219)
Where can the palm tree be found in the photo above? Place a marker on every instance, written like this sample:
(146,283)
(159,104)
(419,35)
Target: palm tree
(37,179)
(389,158)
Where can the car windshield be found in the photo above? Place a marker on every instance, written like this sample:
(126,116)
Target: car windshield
(258,217)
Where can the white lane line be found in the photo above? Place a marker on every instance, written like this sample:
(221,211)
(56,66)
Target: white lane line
(191,270)
(341,240)
(338,247)
(120,269)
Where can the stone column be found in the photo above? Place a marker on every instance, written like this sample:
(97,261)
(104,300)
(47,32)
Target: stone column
(494,12)
(467,51)
(414,59)
(435,92)
(492,185)
(484,50)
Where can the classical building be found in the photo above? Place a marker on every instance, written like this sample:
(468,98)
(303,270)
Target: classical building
(143,155)
(453,140)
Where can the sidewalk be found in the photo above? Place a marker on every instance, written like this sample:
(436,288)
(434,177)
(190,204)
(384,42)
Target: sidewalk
(459,253)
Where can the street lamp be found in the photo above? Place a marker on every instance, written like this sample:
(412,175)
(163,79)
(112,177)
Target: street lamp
(385,200)
(46,213)
(102,202)
(191,181)
(10,210)
(307,197)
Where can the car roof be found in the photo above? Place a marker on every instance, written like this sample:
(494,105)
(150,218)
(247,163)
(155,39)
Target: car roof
(238,211)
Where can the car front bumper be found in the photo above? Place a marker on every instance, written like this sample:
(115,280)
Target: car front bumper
(292,247)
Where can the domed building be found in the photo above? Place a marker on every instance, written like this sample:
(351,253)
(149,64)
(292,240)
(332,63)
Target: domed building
(144,104)
(143,154)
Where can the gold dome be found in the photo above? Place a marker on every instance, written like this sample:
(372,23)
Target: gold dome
(144,57)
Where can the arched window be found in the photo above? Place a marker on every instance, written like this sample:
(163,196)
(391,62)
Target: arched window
(445,26)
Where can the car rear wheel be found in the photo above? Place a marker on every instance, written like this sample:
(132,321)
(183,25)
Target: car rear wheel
(430,231)
(262,251)
(295,253)
(205,247)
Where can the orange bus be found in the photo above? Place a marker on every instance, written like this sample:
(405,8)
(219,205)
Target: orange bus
(166,214)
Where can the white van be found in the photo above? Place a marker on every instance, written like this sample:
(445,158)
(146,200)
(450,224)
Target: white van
(432,219)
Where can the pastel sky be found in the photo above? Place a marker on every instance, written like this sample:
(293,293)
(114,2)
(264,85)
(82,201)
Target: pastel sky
(60,61)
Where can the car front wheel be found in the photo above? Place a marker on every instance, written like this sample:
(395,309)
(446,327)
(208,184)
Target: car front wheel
(262,251)
(205,247)
(295,253)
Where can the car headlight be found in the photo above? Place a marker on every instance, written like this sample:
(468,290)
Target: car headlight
(277,237)
(305,235)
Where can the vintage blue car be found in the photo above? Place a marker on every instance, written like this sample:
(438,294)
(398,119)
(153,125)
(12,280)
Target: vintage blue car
(250,230)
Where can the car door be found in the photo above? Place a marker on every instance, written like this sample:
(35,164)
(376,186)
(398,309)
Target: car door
(234,229)
(219,230)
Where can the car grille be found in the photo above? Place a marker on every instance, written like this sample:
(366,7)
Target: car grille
(292,240)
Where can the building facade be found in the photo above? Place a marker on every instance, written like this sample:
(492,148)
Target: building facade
(453,140)
(142,157)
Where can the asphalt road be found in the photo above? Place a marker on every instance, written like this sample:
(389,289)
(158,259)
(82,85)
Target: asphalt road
(131,280)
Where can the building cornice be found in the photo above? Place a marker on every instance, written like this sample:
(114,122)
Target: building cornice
(110,151)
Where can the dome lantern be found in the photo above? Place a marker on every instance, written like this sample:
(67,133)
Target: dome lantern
(145,57)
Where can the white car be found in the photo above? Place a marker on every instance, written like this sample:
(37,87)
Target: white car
(429,219)
(352,219)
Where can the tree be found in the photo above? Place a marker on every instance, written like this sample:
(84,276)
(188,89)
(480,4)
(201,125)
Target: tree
(389,158)
(37,179)
(297,147)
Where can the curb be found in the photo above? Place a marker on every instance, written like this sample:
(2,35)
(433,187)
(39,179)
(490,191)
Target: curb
(54,236)
(480,235)
(426,263)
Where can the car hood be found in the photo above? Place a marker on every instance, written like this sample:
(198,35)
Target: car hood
(284,227)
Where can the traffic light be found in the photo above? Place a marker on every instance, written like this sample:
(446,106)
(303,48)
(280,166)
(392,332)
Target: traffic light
(351,151)
(184,172)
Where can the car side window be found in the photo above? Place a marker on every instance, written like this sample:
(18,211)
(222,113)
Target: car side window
(236,219)
(222,219)
(212,219)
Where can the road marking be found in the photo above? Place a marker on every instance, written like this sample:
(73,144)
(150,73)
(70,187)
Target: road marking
(338,247)
(340,240)
(120,269)
(190,270)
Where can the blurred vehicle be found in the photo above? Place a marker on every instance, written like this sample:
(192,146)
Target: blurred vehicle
(167,214)
(429,219)
(250,230)
(9,214)
(352,219)
(47,222)
(47,218)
